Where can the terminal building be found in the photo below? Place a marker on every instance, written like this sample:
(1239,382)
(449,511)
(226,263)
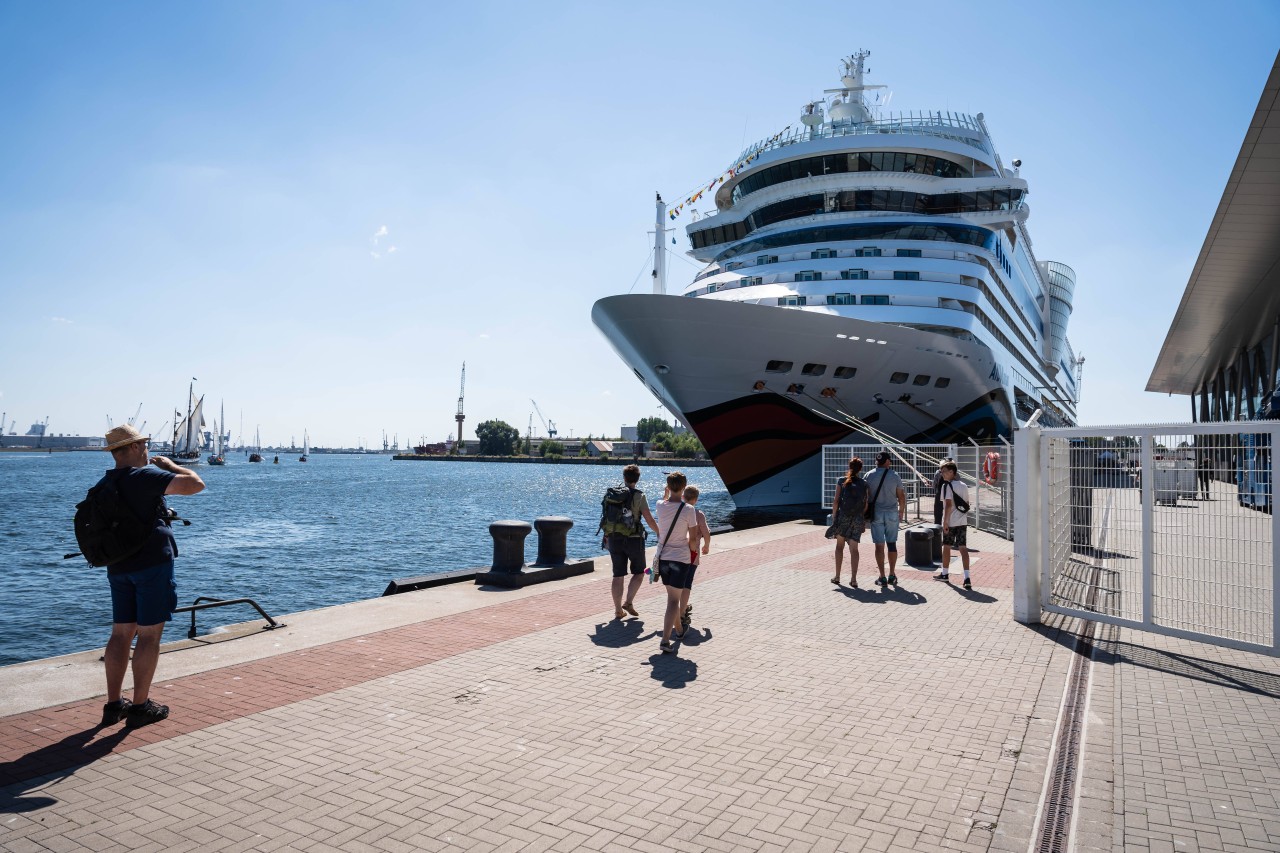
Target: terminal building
(1223,346)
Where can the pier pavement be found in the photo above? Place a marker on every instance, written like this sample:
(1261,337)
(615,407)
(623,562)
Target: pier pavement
(797,715)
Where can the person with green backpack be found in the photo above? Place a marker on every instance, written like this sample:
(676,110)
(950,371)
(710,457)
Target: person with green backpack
(622,511)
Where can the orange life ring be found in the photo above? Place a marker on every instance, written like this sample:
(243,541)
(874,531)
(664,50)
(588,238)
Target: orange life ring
(991,468)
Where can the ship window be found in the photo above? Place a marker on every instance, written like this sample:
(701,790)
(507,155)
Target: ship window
(842,299)
(866,252)
(853,275)
(793,300)
(755,279)
(812,369)
(921,380)
(846,372)
(898,379)
(767,259)
(875,300)
(776,366)
(908,253)
(808,275)
(901,275)
(736,265)
(712,288)
(823,253)
(942,382)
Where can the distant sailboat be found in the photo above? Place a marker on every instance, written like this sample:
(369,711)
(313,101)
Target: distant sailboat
(306,447)
(216,457)
(187,433)
(256,455)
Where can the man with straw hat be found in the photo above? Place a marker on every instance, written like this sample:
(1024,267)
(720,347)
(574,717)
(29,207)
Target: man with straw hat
(143,590)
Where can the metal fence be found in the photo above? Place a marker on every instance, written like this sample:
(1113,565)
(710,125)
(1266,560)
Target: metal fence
(1166,528)
(990,487)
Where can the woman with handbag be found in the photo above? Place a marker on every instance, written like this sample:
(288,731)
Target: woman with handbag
(850,513)
(677,536)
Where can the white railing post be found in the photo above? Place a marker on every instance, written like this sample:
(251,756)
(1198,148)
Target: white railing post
(1148,468)
(1028,525)
(1275,542)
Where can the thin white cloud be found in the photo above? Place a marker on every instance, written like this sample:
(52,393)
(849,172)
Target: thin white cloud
(391,251)
(381,232)
(375,256)
(484,336)
(606,393)
(61,320)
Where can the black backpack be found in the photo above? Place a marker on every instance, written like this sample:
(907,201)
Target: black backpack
(106,529)
(617,512)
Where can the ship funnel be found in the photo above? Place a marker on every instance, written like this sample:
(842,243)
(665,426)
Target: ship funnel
(1061,281)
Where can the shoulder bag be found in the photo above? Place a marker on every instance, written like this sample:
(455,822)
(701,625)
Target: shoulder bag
(871,507)
(657,555)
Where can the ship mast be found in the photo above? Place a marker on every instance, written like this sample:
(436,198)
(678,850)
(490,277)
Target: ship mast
(659,248)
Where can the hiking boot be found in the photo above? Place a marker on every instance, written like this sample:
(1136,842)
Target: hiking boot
(114,712)
(145,714)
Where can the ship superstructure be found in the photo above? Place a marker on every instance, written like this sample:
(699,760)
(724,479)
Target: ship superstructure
(861,269)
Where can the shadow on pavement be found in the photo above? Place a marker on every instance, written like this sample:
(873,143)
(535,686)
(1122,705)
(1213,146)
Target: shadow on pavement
(618,634)
(1199,669)
(694,637)
(882,595)
(971,594)
(52,763)
(672,670)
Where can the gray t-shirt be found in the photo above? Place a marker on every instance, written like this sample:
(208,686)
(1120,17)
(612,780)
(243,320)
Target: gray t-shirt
(888,499)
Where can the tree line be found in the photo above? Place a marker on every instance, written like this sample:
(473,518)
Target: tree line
(499,438)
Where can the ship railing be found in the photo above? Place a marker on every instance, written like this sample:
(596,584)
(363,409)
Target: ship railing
(936,124)
(204,602)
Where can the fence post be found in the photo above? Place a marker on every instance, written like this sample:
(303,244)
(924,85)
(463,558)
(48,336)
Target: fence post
(1274,445)
(1005,488)
(1147,466)
(1028,525)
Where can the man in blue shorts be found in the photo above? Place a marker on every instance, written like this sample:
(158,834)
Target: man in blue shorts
(889,501)
(143,590)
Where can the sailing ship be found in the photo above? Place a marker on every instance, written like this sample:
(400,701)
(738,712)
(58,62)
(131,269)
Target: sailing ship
(217,457)
(188,432)
(866,277)
(306,447)
(256,455)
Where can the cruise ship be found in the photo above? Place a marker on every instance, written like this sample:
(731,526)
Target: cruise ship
(865,274)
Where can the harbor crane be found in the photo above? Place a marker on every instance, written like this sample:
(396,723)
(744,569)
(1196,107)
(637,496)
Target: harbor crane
(549,426)
(462,387)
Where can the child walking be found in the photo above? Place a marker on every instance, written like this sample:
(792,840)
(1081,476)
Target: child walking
(704,538)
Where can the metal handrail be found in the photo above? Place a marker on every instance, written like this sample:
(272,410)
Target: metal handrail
(221,602)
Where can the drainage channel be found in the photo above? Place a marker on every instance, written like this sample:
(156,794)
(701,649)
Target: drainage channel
(1060,796)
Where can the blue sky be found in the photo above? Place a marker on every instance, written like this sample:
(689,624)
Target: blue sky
(321,209)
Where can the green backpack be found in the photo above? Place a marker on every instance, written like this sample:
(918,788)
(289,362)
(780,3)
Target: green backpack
(617,512)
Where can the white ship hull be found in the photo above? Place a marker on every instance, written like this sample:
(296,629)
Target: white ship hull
(703,357)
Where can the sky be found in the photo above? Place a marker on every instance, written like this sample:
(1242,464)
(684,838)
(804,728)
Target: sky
(320,210)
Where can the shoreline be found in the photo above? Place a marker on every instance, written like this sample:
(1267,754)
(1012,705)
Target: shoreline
(563,460)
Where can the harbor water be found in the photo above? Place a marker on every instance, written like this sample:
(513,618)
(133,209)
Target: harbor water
(293,536)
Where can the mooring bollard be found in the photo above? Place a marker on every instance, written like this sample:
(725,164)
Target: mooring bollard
(919,549)
(508,544)
(553,533)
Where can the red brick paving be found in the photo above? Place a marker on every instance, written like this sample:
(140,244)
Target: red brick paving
(54,739)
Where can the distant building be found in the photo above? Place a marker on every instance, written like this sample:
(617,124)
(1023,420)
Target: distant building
(628,433)
(599,448)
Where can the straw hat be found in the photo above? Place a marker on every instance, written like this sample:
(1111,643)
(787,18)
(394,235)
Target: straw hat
(122,435)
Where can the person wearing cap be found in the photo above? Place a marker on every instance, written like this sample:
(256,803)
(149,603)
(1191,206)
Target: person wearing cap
(143,590)
(889,503)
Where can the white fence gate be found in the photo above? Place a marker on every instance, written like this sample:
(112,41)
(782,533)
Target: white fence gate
(1165,528)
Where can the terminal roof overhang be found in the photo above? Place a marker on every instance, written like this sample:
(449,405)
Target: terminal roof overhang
(1233,297)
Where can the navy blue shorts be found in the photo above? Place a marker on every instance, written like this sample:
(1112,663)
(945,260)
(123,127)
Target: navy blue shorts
(677,575)
(147,596)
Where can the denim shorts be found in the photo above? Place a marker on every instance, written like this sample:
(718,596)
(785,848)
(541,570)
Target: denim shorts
(884,527)
(677,575)
(147,596)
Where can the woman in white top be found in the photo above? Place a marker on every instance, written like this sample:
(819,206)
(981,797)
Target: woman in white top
(677,536)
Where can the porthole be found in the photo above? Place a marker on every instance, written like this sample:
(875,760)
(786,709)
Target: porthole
(921,380)
(898,379)
(846,372)
(795,388)
(942,382)
(662,369)
(776,366)
(812,369)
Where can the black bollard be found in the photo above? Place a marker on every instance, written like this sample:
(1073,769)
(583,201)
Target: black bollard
(936,541)
(919,548)
(553,532)
(508,544)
